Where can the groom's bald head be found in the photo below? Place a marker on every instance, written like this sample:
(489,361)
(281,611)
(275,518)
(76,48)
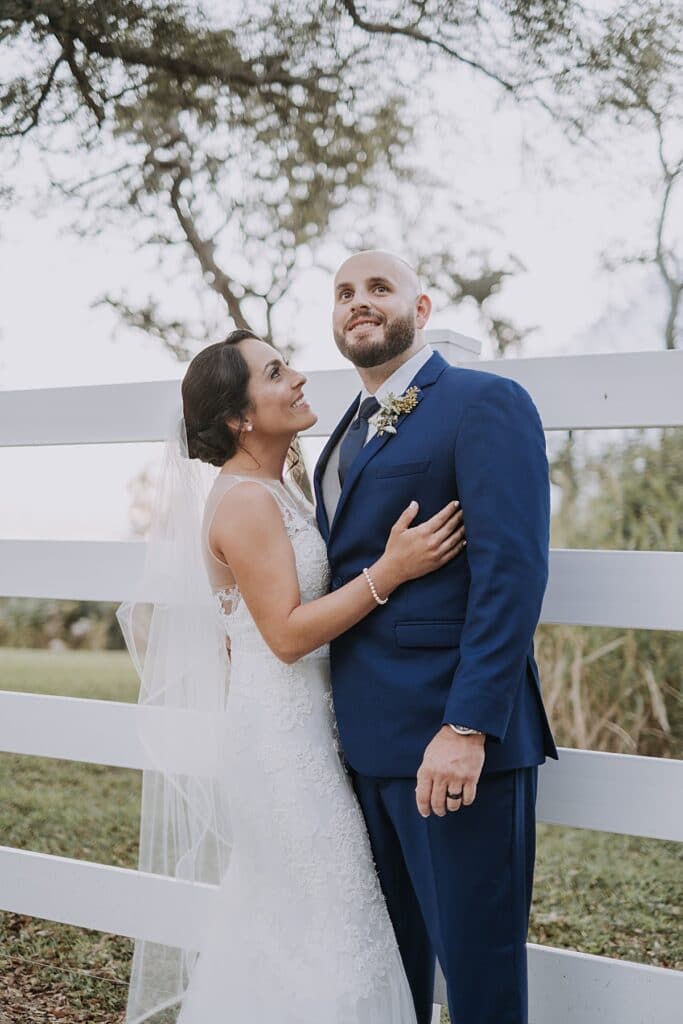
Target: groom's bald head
(379,309)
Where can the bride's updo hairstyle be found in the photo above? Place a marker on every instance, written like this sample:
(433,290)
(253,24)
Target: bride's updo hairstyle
(214,390)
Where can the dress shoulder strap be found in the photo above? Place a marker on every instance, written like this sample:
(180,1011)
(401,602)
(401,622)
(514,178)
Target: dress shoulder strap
(286,502)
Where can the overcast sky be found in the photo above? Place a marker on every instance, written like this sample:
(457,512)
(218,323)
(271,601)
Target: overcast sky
(558,211)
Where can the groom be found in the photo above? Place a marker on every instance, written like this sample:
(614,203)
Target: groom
(437,693)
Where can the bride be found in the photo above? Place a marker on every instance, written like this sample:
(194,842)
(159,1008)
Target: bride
(298,931)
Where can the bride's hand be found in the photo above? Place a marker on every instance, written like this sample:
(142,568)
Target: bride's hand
(414,551)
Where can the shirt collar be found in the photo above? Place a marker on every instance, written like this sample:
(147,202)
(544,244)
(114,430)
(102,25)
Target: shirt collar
(401,378)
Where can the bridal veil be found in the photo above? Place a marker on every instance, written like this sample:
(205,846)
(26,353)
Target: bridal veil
(177,643)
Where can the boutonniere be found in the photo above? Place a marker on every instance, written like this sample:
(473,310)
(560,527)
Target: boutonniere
(391,407)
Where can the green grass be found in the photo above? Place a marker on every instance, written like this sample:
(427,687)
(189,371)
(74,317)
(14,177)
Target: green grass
(52,972)
(618,896)
(611,895)
(104,675)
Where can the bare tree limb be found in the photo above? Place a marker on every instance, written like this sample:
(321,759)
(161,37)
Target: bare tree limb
(411,32)
(34,113)
(237,73)
(672,282)
(173,333)
(82,80)
(204,250)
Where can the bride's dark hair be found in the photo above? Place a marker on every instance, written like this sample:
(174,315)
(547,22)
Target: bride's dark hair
(214,390)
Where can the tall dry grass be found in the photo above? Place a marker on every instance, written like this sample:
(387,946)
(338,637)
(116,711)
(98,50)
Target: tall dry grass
(617,689)
(608,689)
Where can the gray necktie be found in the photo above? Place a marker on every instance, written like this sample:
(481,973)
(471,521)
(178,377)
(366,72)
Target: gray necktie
(355,437)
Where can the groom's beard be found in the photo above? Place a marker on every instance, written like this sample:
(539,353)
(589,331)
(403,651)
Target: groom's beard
(399,335)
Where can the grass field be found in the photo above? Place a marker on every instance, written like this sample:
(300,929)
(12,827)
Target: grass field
(612,895)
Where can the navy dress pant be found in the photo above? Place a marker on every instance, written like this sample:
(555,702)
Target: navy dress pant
(458,888)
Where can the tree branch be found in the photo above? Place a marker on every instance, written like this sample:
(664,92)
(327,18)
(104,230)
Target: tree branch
(204,251)
(674,287)
(173,333)
(410,32)
(82,81)
(34,113)
(239,73)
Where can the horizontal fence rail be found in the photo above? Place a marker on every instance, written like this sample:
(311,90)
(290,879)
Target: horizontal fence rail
(640,796)
(640,389)
(565,987)
(627,589)
(122,901)
(106,732)
(600,392)
(624,793)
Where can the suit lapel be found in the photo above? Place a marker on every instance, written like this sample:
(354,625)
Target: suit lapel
(337,434)
(423,380)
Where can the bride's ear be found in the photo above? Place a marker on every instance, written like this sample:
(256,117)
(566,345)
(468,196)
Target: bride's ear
(239,426)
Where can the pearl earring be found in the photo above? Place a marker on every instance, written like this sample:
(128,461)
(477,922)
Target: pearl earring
(249,426)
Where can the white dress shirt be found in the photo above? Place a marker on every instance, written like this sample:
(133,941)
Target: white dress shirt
(399,381)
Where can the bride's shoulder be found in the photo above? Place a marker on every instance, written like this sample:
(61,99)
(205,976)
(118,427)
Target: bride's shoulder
(248,522)
(244,498)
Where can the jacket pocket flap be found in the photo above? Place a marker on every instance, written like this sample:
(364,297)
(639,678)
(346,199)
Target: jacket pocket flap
(403,469)
(429,633)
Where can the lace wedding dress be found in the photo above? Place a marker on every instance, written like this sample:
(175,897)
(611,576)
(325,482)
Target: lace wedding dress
(299,931)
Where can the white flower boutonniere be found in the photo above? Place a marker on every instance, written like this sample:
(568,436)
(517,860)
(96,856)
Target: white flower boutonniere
(391,407)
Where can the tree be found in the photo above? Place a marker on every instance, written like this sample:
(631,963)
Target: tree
(635,83)
(221,140)
(236,139)
(83,48)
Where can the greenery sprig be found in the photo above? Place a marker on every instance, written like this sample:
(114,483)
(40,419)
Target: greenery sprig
(391,407)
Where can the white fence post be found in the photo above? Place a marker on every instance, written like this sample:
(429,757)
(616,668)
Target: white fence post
(455,348)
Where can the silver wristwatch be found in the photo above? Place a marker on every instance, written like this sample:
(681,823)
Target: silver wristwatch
(464,730)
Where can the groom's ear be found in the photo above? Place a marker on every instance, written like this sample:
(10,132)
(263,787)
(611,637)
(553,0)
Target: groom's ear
(423,309)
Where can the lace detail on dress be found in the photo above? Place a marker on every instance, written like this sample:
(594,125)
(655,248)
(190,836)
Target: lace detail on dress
(229,599)
(336,738)
(325,875)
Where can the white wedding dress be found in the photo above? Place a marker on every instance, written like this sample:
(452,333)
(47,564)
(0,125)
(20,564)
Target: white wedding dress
(299,931)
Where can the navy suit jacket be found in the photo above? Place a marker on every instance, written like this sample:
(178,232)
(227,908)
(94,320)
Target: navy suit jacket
(456,645)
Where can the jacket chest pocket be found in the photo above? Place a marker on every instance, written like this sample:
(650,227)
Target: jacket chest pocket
(402,469)
(429,633)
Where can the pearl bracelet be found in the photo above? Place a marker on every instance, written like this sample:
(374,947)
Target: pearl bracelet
(373,590)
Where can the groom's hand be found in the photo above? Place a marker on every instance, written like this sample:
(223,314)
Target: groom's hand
(453,764)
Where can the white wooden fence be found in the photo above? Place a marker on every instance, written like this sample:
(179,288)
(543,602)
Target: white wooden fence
(609,792)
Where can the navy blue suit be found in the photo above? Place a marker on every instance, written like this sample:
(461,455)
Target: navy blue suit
(455,646)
